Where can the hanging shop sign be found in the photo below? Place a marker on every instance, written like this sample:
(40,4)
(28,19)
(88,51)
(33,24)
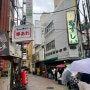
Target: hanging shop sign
(22,33)
(71,24)
(28,11)
(4,43)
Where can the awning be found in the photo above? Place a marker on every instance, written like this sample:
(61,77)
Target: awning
(50,60)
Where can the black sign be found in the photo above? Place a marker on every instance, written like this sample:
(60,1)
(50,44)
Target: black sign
(4,44)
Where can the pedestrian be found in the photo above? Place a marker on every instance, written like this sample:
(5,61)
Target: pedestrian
(53,73)
(56,74)
(59,76)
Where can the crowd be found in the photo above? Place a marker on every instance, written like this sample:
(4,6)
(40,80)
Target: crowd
(53,73)
(78,80)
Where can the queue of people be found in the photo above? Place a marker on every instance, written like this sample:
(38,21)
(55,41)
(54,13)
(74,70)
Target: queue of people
(53,73)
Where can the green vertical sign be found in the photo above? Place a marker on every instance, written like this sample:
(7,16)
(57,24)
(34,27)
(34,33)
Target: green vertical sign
(71,24)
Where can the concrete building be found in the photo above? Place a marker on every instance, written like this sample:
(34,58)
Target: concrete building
(9,52)
(27,20)
(57,46)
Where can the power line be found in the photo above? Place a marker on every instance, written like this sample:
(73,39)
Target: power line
(55,11)
(15,8)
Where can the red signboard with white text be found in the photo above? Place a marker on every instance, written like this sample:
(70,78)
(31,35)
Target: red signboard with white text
(22,33)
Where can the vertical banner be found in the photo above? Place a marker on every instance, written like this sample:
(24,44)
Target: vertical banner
(71,24)
(28,11)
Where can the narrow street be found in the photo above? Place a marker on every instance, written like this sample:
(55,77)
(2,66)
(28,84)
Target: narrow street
(39,83)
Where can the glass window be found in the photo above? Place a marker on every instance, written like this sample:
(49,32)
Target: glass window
(64,49)
(56,51)
(60,50)
(49,27)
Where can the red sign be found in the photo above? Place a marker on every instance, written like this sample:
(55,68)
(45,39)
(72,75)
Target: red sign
(2,63)
(22,33)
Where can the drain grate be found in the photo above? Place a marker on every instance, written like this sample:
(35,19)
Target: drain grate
(50,87)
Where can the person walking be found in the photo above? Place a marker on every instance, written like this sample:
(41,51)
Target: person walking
(53,73)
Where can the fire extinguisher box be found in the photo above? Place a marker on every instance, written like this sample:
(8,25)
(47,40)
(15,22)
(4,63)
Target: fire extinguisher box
(24,77)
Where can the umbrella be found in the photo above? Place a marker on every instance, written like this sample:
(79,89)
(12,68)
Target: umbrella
(82,66)
(66,76)
(60,66)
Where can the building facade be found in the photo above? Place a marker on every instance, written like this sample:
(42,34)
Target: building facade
(57,46)
(9,52)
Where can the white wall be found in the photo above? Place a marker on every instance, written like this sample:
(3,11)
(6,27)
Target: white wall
(37,32)
(59,33)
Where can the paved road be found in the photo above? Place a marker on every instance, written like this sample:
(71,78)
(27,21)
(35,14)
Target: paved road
(40,83)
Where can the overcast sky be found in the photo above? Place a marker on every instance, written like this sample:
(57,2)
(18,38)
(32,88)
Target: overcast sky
(40,6)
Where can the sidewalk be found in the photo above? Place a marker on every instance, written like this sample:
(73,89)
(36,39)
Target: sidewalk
(40,83)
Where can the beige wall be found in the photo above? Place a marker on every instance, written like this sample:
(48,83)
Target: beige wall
(29,54)
(56,2)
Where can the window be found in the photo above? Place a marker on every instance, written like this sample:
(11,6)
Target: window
(56,51)
(49,27)
(50,45)
(64,49)
(60,50)
(53,52)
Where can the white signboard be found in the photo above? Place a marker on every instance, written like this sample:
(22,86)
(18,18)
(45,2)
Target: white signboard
(22,33)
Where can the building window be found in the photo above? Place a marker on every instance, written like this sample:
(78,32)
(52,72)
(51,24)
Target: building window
(45,54)
(53,52)
(64,49)
(49,27)
(60,50)
(56,51)
(50,45)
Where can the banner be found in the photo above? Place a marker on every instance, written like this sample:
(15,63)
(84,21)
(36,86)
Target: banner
(71,24)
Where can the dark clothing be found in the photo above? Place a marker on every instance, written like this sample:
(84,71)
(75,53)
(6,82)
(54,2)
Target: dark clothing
(55,75)
(85,78)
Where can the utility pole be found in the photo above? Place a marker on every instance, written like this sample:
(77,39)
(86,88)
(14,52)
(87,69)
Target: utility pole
(87,30)
(88,8)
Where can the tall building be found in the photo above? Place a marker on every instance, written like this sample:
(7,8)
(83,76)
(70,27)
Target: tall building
(27,20)
(59,44)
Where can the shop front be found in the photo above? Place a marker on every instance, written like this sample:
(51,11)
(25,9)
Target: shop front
(7,57)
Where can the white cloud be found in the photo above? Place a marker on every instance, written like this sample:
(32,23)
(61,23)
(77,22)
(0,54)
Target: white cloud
(40,6)
(44,5)
(37,9)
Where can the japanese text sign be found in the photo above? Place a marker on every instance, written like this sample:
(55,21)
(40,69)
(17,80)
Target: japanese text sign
(22,33)
(71,24)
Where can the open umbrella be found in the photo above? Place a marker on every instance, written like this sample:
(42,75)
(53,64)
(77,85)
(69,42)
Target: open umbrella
(66,76)
(82,66)
(60,66)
